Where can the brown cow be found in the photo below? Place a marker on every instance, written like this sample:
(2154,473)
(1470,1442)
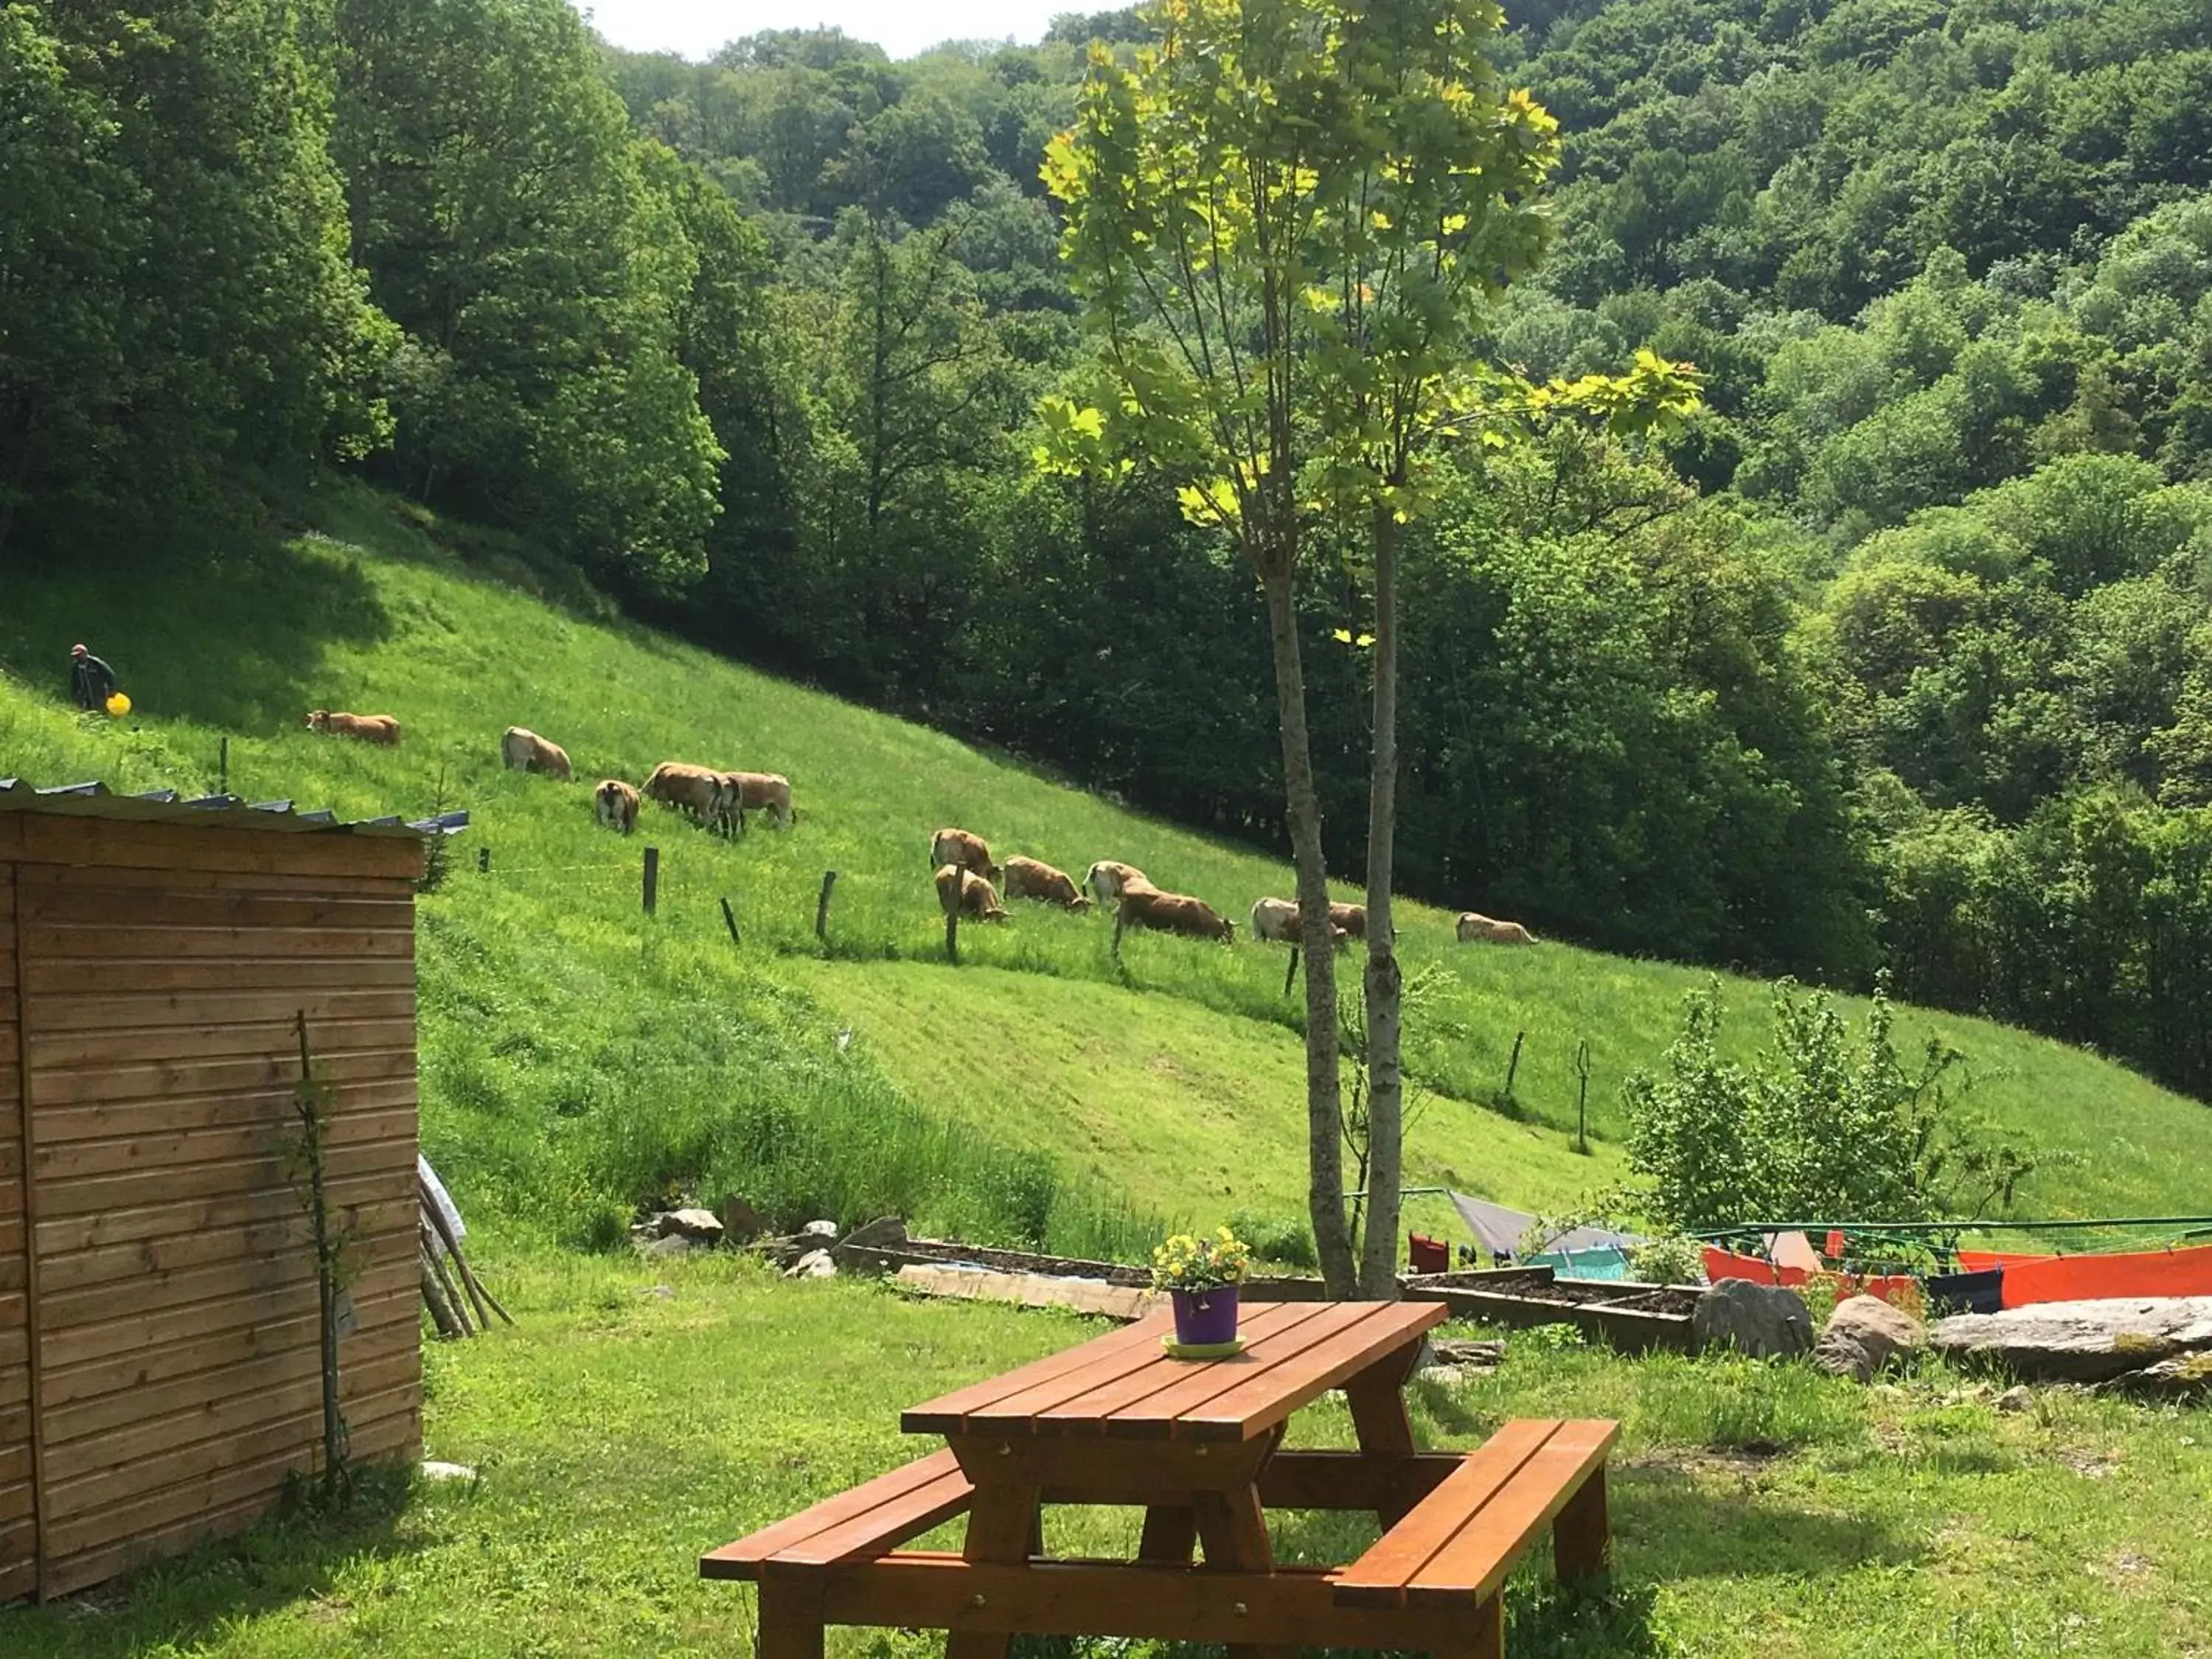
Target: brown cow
(1475,928)
(1276,920)
(524,750)
(1033,878)
(1144,905)
(755,792)
(615,804)
(694,790)
(969,851)
(969,892)
(368,728)
(1107,877)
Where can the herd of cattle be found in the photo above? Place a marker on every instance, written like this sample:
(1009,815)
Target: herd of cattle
(966,874)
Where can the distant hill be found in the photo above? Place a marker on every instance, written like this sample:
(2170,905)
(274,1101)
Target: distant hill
(579,1057)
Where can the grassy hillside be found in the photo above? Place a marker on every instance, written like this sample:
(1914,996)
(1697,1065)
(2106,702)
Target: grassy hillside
(578,1055)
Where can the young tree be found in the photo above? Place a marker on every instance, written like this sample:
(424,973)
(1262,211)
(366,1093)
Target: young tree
(1199,183)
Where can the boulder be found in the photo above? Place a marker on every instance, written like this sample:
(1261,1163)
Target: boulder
(670,1244)
(2081,1341)
(1465,1355)
(1863,1335)
(2183,1377)
(699,1226)
(824,1231)
(432,1469)
(2015,1399)
(1767,1322)
(815,1264)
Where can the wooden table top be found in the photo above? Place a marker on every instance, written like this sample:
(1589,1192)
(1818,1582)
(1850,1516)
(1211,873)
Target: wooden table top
(1123,1386)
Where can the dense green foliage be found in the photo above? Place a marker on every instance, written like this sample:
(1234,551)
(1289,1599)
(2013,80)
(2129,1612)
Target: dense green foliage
(1901,655)
(1821,1125)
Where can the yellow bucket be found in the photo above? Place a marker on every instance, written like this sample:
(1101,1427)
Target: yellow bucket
(118,705)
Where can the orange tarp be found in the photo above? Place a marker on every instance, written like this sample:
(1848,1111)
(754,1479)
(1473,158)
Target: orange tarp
(2186,1272)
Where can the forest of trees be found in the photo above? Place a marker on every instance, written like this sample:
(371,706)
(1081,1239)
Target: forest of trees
(1901,654)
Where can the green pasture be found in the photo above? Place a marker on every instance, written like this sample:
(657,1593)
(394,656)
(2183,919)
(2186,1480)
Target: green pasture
(640,1415)
(578,1056)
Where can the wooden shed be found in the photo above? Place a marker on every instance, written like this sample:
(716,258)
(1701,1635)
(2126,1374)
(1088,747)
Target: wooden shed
(159,1374)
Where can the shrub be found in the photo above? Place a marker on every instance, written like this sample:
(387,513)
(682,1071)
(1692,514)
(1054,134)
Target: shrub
(1816,1128)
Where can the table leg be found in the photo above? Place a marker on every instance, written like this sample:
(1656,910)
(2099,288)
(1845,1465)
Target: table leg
(1377,1399)
(1171,1531)
(790,1616)
(1581,1535)
(1234,1528)
(1003,1524)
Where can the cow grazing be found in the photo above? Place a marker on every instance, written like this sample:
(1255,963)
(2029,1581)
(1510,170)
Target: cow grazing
(367,728)
(1107,877)
(968,892)
(524,750)
(969,851)
(616,804)
(1033,878)
(1475,928)
(1144,905)
(694,790)
(757,792)
(1276,921)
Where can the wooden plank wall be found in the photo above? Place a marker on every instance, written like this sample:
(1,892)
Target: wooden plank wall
(18,1516)
(178,1361)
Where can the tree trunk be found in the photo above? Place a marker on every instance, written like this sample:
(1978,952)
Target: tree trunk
(1324,1086)
(1378,1256)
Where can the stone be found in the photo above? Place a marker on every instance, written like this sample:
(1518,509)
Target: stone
(1449,1377)
(815,1264)
(824,1230)
(434,1470)
(670,1244)
(1465,1355)
(2081,1341)
(1767,1322)
(1863,1335)
(2017,1398)
(886,1232)
(2184,1377)
(699,1226)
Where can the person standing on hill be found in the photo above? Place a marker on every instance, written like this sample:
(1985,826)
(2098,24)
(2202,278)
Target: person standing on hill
(92,682)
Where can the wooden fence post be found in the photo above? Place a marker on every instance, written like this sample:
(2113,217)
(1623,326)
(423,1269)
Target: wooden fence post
(223,769)
(952,935)
(1582,1097)
(483,861)
(822,907)
(730,920)
(652,877)
(1291,972)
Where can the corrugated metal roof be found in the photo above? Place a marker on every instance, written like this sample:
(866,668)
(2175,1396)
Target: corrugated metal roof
(97,800)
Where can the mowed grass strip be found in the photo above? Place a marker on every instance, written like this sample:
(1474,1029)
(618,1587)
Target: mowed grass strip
(640,1415)
(559,1021)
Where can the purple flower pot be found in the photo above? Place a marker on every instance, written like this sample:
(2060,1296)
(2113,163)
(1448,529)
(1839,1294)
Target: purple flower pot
(1205,1316)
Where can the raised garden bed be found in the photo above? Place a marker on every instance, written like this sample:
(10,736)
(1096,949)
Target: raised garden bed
(1631,1317)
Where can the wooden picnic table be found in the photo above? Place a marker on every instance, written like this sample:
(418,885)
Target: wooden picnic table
(1197,1446)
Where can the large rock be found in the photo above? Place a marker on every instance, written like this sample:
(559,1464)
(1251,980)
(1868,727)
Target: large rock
(2186,1376)
(885,1233)
(2081,1341)
(699,1226)
(1767,1322)
(1863,1335)
(815,1264)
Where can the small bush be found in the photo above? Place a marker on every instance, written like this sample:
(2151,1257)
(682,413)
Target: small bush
(1674,1258)
(1284,1241)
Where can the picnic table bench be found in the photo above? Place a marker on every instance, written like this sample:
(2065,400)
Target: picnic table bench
(1197,1445)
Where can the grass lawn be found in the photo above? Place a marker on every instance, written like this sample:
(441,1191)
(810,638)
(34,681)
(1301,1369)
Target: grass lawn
(577,1057)
(640,1415)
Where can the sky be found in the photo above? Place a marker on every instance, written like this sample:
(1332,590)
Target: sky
(696,28)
